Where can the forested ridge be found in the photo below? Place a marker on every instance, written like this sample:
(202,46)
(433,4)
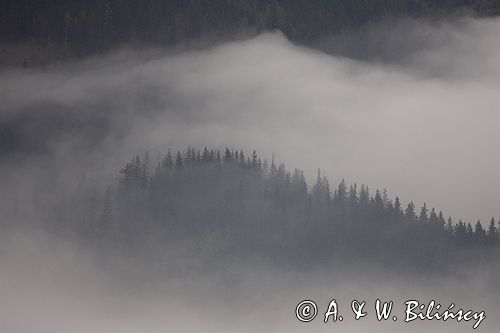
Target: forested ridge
(81,27)
(233,205)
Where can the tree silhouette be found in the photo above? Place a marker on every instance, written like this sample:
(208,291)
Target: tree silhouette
(269,212)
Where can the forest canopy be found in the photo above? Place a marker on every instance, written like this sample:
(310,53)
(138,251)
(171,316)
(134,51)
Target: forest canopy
(234,205)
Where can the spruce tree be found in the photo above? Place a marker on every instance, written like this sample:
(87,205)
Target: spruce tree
(178,161)
(397,206)
(479,234)
(410,212)
(492,235)
(423,218)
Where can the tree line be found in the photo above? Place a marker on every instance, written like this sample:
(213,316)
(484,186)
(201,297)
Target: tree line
(232,205)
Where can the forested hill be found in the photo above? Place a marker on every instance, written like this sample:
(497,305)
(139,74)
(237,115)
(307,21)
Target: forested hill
(82,27)
(231,205)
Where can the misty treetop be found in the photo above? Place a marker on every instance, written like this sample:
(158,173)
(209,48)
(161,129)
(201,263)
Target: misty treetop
(234,205)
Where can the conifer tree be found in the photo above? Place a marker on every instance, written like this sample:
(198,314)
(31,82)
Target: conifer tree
(441,221)
(479,234)
(423,218)
(461,232)
(364,196)
(227,155)
(169,163)
(397,206)
(341,192)
(178,161)
(378,200)
(469,234)
(353,196)
(410,211)
(433,218)
(254,159)
(449,228)
(492,235)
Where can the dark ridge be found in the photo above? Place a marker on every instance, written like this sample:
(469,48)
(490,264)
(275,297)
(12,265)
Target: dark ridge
(76,28)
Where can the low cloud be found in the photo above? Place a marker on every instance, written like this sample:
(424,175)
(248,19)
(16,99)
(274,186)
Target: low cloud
(424,124)
(416,114)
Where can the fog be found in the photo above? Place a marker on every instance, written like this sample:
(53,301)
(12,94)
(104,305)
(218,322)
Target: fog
(48,286)
(417,114)
(425,127)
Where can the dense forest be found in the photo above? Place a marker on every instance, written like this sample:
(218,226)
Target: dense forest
(230,205)
(76,27)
